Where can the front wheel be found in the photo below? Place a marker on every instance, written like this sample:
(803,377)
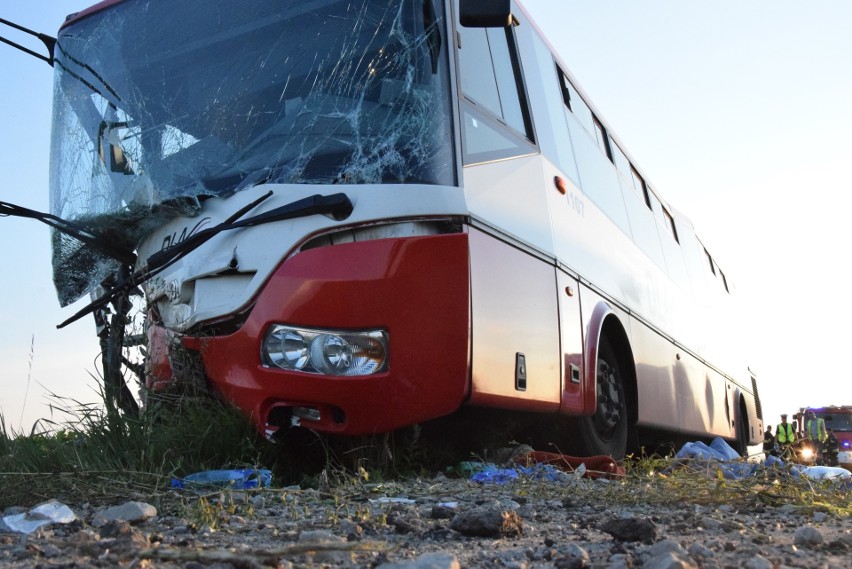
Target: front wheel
(605,432)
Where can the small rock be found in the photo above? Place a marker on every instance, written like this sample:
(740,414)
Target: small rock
(426,561)
(669,560)
(573,557)
(820,517)
(698,550)
(631,529)
(442,513)
(758,562)
(665,546)
(129,512)
(711,523)
(488,522)
(807,536)
(322,537)
(115,528)
(620,561)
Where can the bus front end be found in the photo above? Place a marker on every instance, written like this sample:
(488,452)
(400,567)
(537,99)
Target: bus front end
(286,175)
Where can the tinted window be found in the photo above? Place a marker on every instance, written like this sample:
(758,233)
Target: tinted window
(478,80)
(577,105)
(620,160)
(482,140)
(601,137)
(489,74)
(639,186)
(504,69)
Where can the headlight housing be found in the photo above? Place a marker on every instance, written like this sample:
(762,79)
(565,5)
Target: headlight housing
(326,352)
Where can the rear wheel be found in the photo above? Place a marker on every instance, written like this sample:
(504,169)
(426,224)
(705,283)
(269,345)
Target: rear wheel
(605,432)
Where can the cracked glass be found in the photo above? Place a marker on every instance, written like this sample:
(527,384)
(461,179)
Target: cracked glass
(159,105)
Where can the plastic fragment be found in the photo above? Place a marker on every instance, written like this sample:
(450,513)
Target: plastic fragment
(239,479)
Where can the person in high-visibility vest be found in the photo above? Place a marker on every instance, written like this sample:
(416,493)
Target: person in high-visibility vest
(784,436)
(815,430)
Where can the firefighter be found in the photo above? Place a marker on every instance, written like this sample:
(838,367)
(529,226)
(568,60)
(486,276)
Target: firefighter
(769,442)
(832,448)
(785,436)
(815,430)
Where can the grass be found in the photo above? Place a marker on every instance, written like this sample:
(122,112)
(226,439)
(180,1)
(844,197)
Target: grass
(93,452)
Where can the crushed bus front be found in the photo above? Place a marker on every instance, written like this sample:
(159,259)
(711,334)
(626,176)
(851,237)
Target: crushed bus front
(295,208)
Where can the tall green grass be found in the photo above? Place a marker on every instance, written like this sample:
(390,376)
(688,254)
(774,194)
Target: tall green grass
(88,448)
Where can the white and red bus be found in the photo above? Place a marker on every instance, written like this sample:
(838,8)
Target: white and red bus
(361,215)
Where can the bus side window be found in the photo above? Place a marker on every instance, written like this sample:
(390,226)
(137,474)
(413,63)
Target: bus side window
(639,185)
(710,262)
(602,138)
(668,220)
(492,84)
(575,102)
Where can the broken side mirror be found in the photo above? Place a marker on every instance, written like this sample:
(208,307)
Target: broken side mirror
(486,13)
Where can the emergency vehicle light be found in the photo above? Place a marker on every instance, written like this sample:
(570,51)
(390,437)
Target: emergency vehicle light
(326,352)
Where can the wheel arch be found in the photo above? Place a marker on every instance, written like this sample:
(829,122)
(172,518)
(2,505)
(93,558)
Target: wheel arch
(605,323)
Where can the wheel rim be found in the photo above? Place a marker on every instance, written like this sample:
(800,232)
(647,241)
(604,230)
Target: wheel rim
(610,408)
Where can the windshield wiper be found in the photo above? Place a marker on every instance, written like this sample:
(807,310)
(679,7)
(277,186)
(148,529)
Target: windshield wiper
(337,205)
(77,231)
(48,41)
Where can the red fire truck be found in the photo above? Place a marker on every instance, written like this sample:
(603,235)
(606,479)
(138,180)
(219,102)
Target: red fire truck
(838,420)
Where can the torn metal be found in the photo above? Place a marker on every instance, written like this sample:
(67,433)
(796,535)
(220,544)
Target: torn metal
(159,106)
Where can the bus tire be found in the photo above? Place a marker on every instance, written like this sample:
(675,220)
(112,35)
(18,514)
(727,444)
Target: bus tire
(605,432)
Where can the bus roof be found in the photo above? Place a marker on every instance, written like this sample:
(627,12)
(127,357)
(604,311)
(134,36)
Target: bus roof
(76,16)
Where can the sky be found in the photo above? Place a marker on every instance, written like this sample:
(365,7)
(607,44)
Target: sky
(739,114)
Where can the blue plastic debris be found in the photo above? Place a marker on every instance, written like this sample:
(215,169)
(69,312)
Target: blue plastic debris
(718,450)
(238,479)
(491,474)
(732,467)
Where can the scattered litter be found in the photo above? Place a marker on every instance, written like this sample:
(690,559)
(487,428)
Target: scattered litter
(239,479)
(537,465)
(492,474)
(50,512)
(825,472)
(731,464)
(719,451)
(587,466)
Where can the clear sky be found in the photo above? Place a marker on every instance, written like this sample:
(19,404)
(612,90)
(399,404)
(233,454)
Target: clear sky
(738,113)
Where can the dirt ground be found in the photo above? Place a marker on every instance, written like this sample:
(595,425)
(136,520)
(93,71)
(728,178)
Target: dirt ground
(665,522)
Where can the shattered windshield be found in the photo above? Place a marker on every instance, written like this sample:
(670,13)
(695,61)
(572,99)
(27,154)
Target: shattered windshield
(159,104)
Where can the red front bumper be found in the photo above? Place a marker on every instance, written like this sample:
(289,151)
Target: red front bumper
(417,289)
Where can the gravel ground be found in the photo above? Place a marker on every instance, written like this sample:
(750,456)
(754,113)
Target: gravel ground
(700,521)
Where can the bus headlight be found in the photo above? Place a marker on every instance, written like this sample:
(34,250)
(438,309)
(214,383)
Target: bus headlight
(326,352)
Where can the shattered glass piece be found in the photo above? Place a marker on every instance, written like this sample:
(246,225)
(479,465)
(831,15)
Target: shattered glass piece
(159,105)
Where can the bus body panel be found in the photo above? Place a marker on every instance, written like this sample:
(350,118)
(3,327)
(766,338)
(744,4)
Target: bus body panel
(511,196)
(416,289)
(249,252)
(514,314)
(576,385)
